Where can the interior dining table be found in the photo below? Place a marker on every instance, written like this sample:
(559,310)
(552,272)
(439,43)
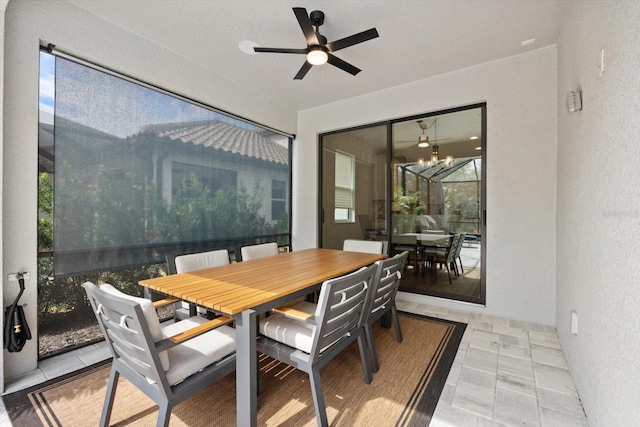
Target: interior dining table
(428,239)
(243,290)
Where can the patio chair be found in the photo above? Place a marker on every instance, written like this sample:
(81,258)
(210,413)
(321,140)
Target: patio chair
(456,256)
(169,364)
(412,245)
(308,341)
(368,246)
(192,262)
(445,256)
(382,300)
(258,251)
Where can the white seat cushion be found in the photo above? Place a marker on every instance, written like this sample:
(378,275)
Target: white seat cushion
(199,352)
(294,333)
(150,315)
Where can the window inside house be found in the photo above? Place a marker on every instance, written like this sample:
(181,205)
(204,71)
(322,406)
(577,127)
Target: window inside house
(210,179)
(345,188)
(129,173)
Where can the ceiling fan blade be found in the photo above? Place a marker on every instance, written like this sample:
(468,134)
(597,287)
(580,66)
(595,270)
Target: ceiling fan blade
(343,65)
(306,25)
(278,50)
(351,40)
(303,70)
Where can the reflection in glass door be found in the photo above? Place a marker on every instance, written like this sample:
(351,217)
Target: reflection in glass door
(437,206)
(418,184)
(354,185)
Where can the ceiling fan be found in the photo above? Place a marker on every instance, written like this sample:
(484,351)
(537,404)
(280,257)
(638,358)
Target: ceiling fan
(318,51)
(423,140)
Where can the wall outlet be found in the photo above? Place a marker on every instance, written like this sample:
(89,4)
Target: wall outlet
(13,277)
(574,323)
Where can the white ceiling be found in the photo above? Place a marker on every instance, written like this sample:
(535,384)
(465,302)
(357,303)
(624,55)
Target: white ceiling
(418,38)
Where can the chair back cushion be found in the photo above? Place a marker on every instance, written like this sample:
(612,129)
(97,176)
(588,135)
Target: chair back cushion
(258,251)
(198,261)
(150,316)
(368,246)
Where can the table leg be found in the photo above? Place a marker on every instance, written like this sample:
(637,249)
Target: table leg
(246,369)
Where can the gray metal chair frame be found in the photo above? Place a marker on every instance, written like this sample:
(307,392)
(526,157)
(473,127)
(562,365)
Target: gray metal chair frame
(382,300)
(338,320)
(137,357)
(447,257)
(410,244)
(456,256)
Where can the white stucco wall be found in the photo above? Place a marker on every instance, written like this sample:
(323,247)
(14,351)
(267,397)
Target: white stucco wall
(520,93)
(27,24)
(599,209)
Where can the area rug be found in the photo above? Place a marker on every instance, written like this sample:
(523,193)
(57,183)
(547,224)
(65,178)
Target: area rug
(403,393)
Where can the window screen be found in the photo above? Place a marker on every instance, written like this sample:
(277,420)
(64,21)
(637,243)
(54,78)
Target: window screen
(139,173)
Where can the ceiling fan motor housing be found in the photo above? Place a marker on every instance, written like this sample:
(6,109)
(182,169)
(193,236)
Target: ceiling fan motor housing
(317,18)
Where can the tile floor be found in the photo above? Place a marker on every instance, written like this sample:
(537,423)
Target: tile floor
(506,373)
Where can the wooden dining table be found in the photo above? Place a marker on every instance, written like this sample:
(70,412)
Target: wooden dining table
(243,290)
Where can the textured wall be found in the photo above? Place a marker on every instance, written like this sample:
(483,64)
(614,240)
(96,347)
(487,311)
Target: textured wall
(599,209)
(27,24)
(521,96)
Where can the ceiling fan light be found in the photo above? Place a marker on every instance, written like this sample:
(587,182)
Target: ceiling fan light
(423,141)
(317,57)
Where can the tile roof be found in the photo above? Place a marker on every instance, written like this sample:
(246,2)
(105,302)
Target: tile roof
(222,136)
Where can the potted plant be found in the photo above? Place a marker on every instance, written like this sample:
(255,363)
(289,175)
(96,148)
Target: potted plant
(406,208)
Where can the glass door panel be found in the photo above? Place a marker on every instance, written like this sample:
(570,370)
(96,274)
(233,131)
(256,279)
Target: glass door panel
(414,183)
(438,186)
(354,185)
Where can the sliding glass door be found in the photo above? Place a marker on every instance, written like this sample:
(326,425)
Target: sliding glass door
(418,184)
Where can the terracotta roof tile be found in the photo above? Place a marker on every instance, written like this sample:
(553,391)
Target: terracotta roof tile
(222,136)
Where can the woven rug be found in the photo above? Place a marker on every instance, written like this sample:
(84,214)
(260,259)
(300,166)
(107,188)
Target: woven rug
(404,392)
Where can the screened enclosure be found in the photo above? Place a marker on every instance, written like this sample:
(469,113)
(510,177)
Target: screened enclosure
(140,173)
(449,193)
(129,174)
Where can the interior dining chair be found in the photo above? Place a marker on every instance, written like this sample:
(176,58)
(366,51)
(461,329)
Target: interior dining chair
(456,256)
(192,262)
(368,246)
(258,251)
(382,300)
(410,244)
(167,363)
(445,256)
(308,341)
